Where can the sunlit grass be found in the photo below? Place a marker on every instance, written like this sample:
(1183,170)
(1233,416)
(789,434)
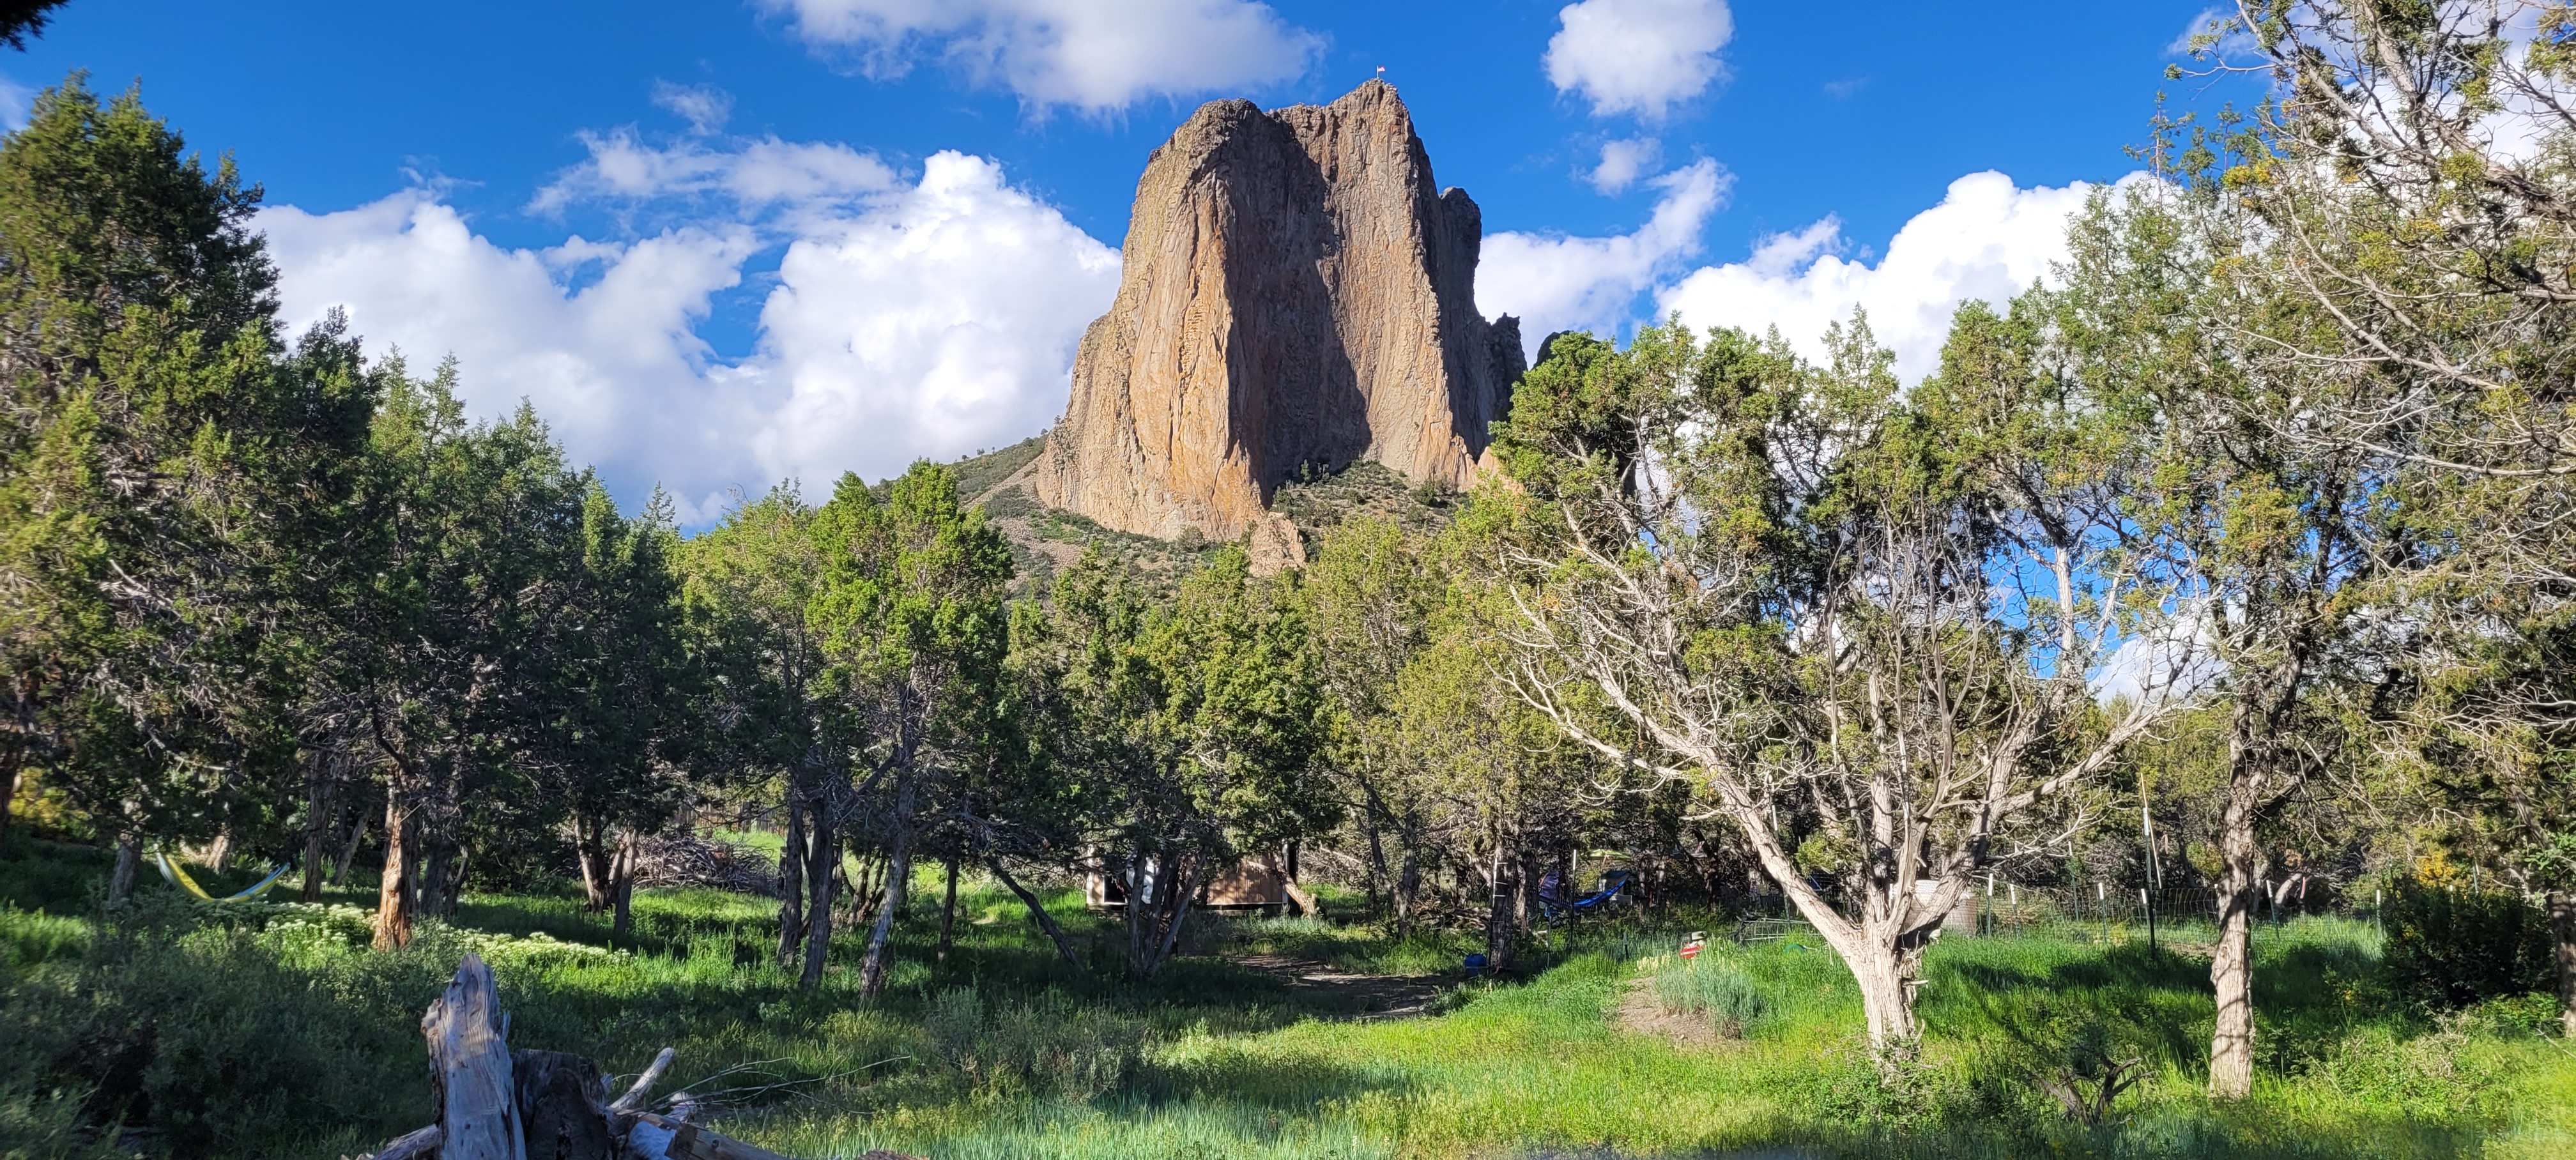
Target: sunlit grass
(308,1043)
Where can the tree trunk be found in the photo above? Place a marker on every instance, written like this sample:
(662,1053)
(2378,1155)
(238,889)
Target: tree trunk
(825,842)
(948,911)
(432,891)
(469,1069)
(791,882)
(9,763)
(221,852)
(349,849)
(1886,999)
(321,809)
(1408,887)
(2231,964)
(393,892)
(1037,911)
(1501,933)
(2562,930)
(561,1105)
(872,971)
(622,886)
(129,859)
(590,848)
(1377,882)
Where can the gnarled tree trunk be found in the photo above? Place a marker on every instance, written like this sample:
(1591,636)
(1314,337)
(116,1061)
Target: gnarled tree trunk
(2240,891)
(791,882)
(129,860)
(872,971)
(394,891)
(590,848)
(469,1069)
(824,845)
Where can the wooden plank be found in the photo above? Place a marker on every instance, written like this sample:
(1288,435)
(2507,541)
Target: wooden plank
(469,1069)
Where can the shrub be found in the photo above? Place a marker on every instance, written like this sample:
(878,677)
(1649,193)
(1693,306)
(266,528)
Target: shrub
(176,1022)
(2452,948)
(1051,1045)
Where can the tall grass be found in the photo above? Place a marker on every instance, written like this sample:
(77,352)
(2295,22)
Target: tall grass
(271,1031)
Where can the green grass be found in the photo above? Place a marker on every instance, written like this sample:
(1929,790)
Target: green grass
(271,1031)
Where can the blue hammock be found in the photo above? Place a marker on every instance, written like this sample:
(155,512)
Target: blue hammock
(1553,904)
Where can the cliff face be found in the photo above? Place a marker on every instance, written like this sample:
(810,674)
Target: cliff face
(1297,292)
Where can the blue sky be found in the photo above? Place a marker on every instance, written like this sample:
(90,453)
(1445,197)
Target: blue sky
(720,243)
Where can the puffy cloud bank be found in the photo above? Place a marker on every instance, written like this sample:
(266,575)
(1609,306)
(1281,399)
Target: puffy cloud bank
(909,318)
(1554,282)
(1093,55)
(1639,57)
(1987,239)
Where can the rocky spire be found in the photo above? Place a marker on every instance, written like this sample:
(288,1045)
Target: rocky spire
(1297,292)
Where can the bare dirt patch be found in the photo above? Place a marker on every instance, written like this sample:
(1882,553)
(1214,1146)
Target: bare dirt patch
(1640,1012)
(1348,995)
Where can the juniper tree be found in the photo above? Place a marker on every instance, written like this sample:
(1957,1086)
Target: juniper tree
(1805,593)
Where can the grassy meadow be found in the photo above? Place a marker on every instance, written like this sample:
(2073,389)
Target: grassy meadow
(271,1031)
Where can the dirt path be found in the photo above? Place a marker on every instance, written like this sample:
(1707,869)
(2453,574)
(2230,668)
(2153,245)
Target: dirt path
(1351,996)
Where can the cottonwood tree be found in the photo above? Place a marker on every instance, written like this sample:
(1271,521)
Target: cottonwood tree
(1801,590)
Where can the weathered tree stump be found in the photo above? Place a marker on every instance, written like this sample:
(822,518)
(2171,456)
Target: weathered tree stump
(496,1104)
(469,1069)
(561,1114)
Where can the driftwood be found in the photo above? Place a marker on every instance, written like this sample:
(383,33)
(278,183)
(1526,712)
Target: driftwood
(497,1104)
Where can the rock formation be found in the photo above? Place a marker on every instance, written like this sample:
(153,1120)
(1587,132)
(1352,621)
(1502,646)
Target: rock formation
(1298,295)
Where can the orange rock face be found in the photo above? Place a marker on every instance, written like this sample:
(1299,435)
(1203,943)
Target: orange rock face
(1297,294)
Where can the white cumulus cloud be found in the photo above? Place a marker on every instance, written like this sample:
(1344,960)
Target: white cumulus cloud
(1623,162)
(1555,282)
(1987,239)
(943,321)
(614,366)
(1640,57)
(1093,55)
(909,319)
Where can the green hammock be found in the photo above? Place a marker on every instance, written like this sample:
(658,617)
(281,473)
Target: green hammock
(178,876)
